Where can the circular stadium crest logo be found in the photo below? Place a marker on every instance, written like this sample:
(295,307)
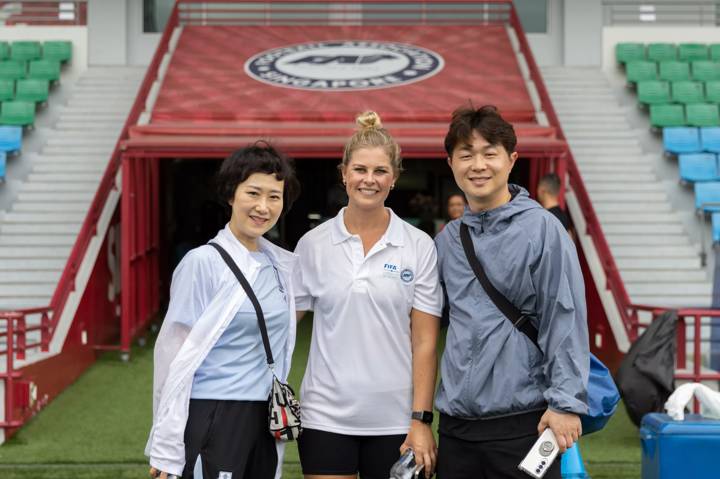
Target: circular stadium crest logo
(346,65)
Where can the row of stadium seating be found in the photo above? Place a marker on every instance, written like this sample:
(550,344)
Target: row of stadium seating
(26,51)
(27,69)
(40,69)
(681,86)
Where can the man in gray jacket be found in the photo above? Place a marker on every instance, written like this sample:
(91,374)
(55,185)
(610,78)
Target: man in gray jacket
(499,390)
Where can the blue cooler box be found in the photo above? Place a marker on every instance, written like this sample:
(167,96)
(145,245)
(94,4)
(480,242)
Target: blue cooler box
(687,449)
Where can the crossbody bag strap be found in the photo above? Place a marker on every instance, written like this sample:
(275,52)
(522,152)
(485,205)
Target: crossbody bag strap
(253,299)
(509,310)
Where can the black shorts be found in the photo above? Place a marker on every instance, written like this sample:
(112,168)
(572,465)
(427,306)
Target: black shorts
(231,437)
(328,453)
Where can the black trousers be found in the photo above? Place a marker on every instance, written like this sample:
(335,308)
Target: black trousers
(488,449)
(232,438)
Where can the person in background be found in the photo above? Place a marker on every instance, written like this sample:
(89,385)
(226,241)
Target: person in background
(455,206)
(211,380)
(548,195)
(371,280)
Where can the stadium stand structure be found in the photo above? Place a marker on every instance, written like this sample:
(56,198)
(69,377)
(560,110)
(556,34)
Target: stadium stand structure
(181,114)
(657,259)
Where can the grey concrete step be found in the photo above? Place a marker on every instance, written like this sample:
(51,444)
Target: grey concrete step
(40,229)
(37,207)
(34,240)
(104,150)
(58,187)
(670,289)
(615,186)
(649,240)
(57,167)
(638,208)
(654,251)
(634,218)
(90,160)
(43,196)
(664,276)
(9,304)
(75,177)
(42,218)
(589,134)
(26,290)
(633,228)
(598,197)
(627,168)
(8,266)
(15,252)
(619,177)
(647,264)
(30,277)
(699,301)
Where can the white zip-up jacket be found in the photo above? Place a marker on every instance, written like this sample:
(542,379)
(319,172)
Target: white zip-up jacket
(203,286)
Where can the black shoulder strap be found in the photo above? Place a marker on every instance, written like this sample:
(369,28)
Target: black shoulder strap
(511,312)
(253,299)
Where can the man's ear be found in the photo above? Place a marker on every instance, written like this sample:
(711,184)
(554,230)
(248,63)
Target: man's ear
(513,157)
(449,161)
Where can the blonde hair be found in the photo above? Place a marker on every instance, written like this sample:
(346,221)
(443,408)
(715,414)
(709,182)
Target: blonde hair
(371,134)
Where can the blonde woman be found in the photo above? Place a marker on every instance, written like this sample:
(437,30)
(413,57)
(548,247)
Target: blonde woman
(371,280)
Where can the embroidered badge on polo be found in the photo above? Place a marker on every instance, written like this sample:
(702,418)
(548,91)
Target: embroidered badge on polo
(391,270)
(407,275)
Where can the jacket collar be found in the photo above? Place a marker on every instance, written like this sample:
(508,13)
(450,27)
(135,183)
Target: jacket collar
(393,235)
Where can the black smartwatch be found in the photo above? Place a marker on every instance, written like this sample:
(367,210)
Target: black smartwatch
(423,416)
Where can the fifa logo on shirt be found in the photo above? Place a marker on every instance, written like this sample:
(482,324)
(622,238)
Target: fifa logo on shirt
(391,268)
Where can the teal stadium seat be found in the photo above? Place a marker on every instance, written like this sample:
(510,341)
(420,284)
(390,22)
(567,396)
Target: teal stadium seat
(60,51)
(705,70)
(690,52)
(629,52)
(44,70)
(10,138)
(641,71)
(661,52)
(716,227)
(3,160)
(33,89)
(707,196)
(21,113)
(696,167)
(7,90)
(681,139)
(703,114)
(710,139)
(674,71)
(25,51)
(4,50)
(653,92)
(662,116)
(712,91)
(12,70)
(715,52)
(688,92)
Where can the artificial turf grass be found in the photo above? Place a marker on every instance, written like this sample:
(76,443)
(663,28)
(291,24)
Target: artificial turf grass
(103,419)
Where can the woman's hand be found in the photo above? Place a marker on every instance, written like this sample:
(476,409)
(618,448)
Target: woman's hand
(421,440)
(154,473)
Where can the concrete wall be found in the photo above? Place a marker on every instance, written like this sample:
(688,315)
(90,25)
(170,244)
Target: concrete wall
(647,34)
(582,28)
(77,35)
(107,32)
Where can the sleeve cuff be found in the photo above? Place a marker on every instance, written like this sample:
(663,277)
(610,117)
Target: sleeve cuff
(429,309)
(303,303)
(167,466)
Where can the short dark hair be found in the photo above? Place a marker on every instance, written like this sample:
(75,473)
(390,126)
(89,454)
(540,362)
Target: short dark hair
(453,195)
(486,121)
(260,157)
(551,181)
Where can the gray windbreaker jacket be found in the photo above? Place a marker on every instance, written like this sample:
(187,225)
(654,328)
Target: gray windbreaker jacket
(489,368)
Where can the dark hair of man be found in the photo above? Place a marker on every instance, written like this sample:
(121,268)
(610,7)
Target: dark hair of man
(551,182)
(453,195)
(260,157)
(486,121)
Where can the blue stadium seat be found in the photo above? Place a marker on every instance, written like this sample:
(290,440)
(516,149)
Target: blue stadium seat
(710,138)
(707,196)
(10,138)
(681,139)
(716,227)
(696,167)
(3,159)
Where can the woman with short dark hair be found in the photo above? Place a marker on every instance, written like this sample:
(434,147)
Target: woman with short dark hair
(211,378)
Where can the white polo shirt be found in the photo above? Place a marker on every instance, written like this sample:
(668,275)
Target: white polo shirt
(359,373)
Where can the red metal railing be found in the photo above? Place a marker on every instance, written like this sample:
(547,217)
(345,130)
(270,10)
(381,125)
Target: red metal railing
(53,13)
(15,335)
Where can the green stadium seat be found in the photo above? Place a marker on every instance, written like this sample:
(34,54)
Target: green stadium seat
(60,51)
(712,91)
(688,92)
(4,50)
(25,51)
(715,52)
(674,71)
(703,114)
(21,113)
(44,70)
(661,52)
(7,90)
(667,115)
(32,89)
(12,70)
(705,70)
(641,71)
(653,92)
(692,51)
(629,52)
